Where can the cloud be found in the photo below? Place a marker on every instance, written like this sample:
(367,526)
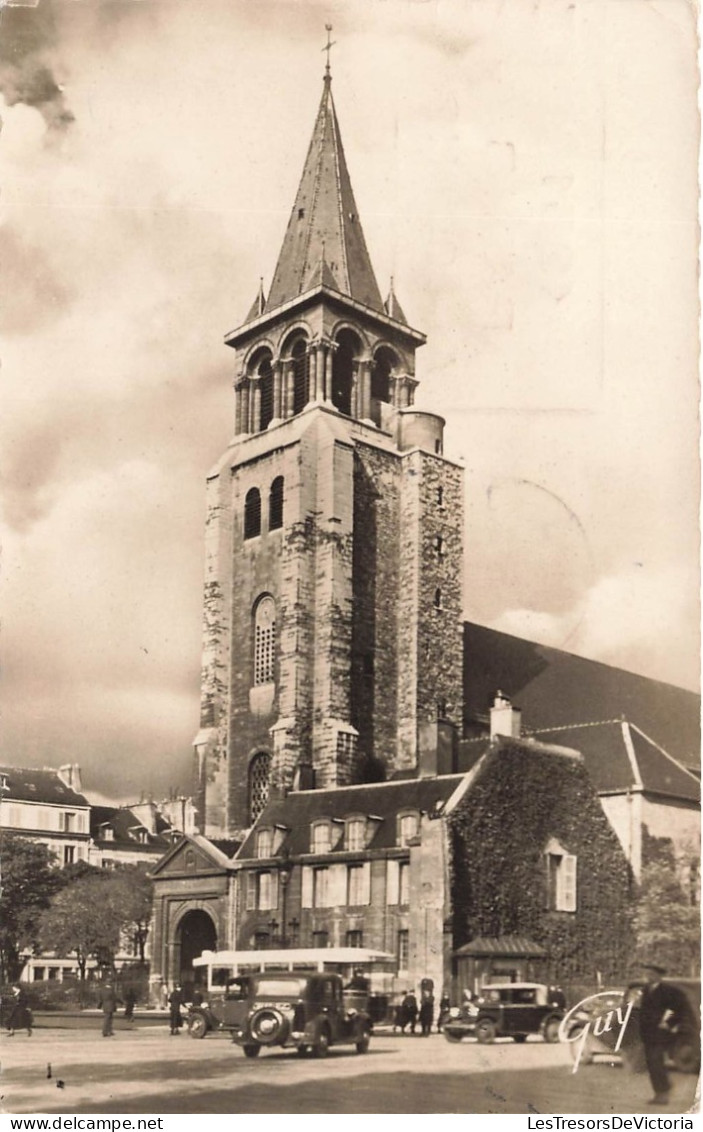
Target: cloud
(27,43)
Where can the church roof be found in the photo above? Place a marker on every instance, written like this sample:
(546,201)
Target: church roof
(556,690)
(324,241)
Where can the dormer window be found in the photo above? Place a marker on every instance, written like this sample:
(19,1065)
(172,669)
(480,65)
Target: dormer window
(108,833)
(264,843)
(321,837)
(355,834)
(408,827)
(4,785)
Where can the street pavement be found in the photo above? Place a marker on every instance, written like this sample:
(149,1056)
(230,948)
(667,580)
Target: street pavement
(145,1070)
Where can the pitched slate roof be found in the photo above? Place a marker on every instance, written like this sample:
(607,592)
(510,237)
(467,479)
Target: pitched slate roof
(324,236)
(383,800)
(557,689)
(25,784)
(505,945)
(124,824)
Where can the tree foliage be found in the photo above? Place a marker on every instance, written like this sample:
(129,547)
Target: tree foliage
(29,880)
(667,920)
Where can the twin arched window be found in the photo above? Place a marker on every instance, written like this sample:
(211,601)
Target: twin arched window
(252,509)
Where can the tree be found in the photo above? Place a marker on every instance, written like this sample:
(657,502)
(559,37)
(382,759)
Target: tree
(84,919)
(135,894)
(667,920)
(29,880)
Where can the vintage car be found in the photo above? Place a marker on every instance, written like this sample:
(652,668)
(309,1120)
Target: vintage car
(593,1028)
(301,1010)
(512,1010)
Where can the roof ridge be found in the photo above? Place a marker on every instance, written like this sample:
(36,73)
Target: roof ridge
(666,754)
(574,726)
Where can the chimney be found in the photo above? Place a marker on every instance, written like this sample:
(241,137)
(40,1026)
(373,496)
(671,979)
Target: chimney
(505,719)
(70,775)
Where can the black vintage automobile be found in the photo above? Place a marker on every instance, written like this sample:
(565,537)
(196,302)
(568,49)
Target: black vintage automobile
(308,1012)
(512,1010)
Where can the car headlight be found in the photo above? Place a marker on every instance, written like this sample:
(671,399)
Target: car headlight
(454,1012)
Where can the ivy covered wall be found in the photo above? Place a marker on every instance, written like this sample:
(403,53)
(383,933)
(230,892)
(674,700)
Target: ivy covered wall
(525,795)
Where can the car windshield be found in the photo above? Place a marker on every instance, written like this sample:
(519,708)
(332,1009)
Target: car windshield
(280,988)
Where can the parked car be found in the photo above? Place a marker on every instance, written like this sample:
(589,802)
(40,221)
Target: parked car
(684,1051)
(512,1010)
(307,1011)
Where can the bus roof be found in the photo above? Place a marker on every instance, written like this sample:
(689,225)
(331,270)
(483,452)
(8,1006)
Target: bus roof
(357,956)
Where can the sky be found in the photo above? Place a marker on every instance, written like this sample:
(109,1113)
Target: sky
(527,174)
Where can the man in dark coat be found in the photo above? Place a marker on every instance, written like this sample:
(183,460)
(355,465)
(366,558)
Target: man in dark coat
(108,1003)
(175,1001)
(408,1013)
(660,1010)
(20,1016)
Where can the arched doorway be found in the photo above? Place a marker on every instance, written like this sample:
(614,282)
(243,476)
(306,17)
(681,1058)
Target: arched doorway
(195,933)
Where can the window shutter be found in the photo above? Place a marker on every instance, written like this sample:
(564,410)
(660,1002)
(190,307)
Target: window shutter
(306,898)
(567,875)
(392,881)
(337,886)
(365,895)
(251,887)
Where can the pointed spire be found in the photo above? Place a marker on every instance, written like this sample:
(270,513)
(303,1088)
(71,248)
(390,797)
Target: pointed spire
(259,305)
(324,225)
(393,307)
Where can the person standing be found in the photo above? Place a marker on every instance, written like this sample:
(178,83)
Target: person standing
(175,1001)
(108,1003)
(20,1016)
(409,1012)
(426,1013)
(130,1000)
(660,1010)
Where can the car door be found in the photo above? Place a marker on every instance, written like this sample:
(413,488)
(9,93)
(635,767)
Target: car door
(235,1005)
(520,1013)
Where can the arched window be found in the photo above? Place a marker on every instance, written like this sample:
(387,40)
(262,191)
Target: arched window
(438,599)
(259,784)
(276,504)
(264,640)
(299,354)
(384,363)
(344,365)
(252,513)
(261,371)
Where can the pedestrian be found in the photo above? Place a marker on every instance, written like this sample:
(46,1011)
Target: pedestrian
(130,1001)
(661,1007)
(408,1012)
(108,1003)
(426,1013)
(175,1001)
(20,1016)
(444,1008)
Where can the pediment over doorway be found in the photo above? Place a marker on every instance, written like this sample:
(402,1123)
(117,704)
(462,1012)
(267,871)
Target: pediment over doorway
(194,855)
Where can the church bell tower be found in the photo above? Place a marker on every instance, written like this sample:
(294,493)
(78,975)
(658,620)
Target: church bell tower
(333,610)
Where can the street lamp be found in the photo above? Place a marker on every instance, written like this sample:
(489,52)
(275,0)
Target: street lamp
(284,874)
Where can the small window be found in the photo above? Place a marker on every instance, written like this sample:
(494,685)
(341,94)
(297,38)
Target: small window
(320,939)
(355,834)
(404,882)
(408,826)
(69,854)
(437,601)
(68,824)
(440,497)
(358,885)
(355,938)
(439,547)
(264,640)
(108,833)
(276,504)
(252,513)
(561,881)
(403,949)
(438,447)
(259,782)
(264,843)
(321,838)
(267,892)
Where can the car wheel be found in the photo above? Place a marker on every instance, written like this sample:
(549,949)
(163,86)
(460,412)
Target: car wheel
(362,1046)
(685,1055)
(268,1027)
(519,1038)
(197,1026)
(321,1044)
(485,1031)
(451,1035)
(251,1051)
(550,1031)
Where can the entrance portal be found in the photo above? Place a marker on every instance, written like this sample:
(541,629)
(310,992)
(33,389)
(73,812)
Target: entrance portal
(196,933)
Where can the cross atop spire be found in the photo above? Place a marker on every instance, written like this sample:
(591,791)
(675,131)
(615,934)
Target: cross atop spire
(324,227)
(328,47)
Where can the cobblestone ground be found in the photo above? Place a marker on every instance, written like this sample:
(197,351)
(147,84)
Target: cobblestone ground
(145,1070)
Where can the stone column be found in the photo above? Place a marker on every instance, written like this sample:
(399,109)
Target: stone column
(255,407)
(321,394)
(312,373)
(277,390)
(244,407)
(365,389)
(355,391)
(289,401)
(328,371)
